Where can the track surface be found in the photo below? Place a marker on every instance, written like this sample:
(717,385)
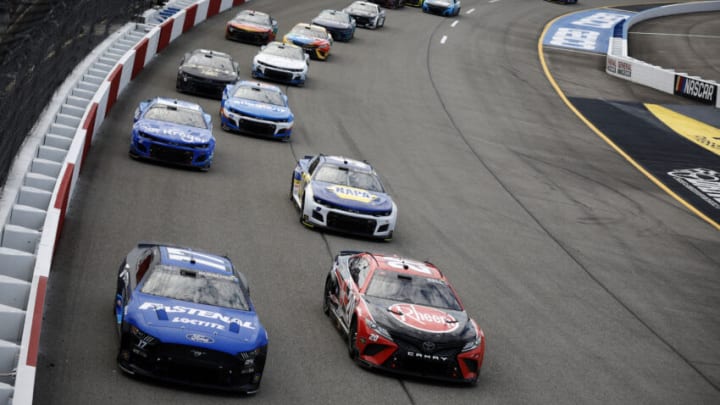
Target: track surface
(591,284)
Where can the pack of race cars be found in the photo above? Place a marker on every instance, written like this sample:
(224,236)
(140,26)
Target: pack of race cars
(186,316)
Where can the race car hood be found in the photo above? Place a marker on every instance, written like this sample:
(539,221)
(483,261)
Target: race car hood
(439,3)
(361,13)
(300,40)
(210,73)
(258,109)
(174,133)
(281,62)
(180,322)
(351,198)
(250,27)
(421,322)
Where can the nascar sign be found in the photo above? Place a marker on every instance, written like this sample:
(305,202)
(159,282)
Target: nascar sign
(698,90)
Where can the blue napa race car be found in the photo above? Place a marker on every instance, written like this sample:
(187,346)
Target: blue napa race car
(341,194)
(173,131)
(258,109)
(447,8)
(185,316)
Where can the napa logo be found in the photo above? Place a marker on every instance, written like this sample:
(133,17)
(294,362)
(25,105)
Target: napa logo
(352,193)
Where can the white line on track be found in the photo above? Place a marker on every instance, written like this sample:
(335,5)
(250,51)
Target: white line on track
(454,23)
(470,11)
(664,34)
(444,38)
(493,1)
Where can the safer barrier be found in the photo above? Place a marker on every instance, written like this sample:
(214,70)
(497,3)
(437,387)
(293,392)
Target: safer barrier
(43,177)
(619,64)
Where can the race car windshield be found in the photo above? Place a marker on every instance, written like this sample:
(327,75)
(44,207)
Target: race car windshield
(333,16)
(285,51)
(176,115)
(348,177)
(253,19)
(415,290)
(260,95)
(195,286)
(215,62)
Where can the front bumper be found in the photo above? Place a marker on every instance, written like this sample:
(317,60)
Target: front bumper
(438,10)
(366,22)
(237,122)
(278,74)
(373,226)
(144,146)
(177,364)
(406,357)
(341,34)
(249,37)
(197,85)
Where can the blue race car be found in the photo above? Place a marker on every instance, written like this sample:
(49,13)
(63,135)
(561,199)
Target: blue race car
(185,316)
(341,194)
(255,108)
(447,8)
(338,23)
(173,131)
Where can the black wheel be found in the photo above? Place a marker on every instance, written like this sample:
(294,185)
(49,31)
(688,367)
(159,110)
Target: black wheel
(352,340)
(302,211)
(224,126)
(326,297)
(292,186)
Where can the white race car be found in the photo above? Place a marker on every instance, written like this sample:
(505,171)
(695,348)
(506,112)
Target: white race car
(344,195)
(367,15)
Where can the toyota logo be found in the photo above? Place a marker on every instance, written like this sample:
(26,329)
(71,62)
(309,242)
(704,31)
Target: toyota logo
(428,346)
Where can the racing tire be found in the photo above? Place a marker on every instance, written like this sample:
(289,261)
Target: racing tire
(326,297)
(224,126)
(353,351)
(302,211)
(292,187)
(381,23)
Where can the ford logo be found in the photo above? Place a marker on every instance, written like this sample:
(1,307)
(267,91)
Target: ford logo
(198,338)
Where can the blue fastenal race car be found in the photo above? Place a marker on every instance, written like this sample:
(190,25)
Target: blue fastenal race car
(256,109)
(173,131)
(447,8)
(185,316)
(344,195)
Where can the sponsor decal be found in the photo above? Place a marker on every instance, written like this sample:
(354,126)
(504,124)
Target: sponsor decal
(611,65)
(433,357)
(695,89)
(198,338)
(704,183)
(624,68)
(586,31)
(352,193)
(210,315)
(424,318)
(188,256)
(261,106)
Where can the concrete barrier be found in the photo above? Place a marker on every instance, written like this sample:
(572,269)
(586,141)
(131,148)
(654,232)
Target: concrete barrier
(42,180)
(620,65)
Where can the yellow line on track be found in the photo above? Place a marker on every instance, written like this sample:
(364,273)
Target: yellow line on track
(607,140)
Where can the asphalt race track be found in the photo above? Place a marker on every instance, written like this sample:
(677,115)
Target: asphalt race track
(591,283)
